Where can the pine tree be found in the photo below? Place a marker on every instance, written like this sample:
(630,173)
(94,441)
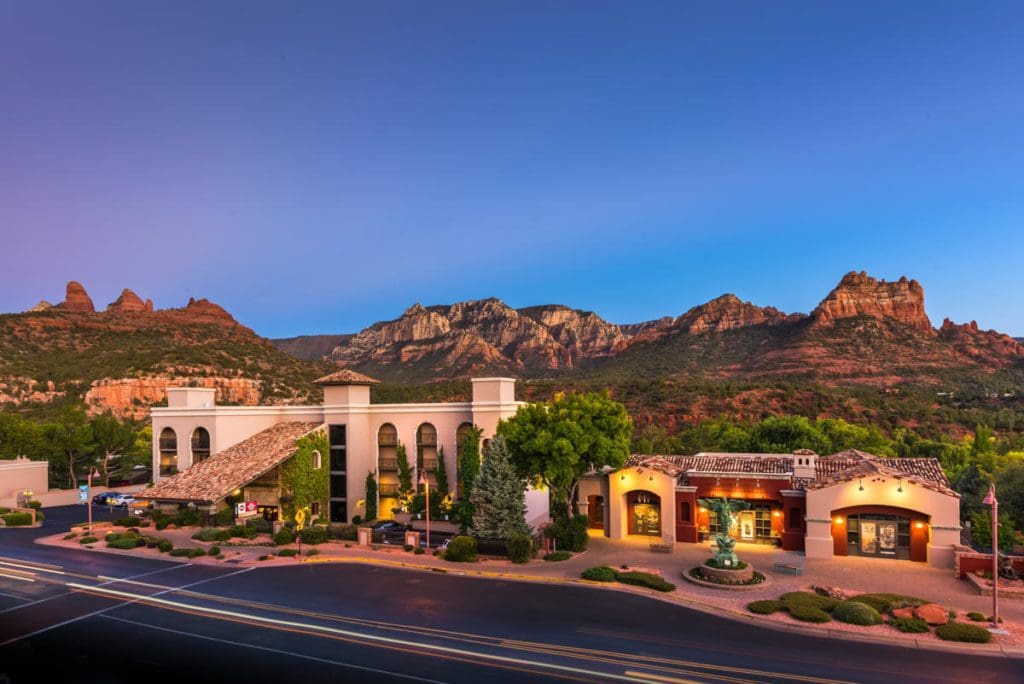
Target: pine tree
(442,474)
(499,496)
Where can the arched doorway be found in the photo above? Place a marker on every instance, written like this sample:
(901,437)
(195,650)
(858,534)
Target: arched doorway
(880,532)
(387,471)
(200,445)
(643,511)
(168,447)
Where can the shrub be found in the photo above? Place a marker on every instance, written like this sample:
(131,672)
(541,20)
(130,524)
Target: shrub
(127,543)
(913,625)
(150,541)
(417,551)
(129,521)
(288,553)
(357,519)
(162,524)
(519,548)
(260,525)
(570,534)
(88,540)
(34,504)
(975,616)
(245,531)
(461,549)
(145,523)
(855,613)
(557,556)
(190,553)
(806,599)
(214,550)
(347,532)
(645,579)
(72,535)
(766,607)
(17,519)
(961,631)
(313,535)
(408,548)
(712,563)
(226,516)
(284,536)
(4,510)
(165,545)
(601,573)
(186,517)
(40,516)
(212,534)
(313,552)
(808,613)
(884,603)
(265,557)
(112,536)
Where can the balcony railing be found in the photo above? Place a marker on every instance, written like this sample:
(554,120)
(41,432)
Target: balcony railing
(388,465)
(388,490)
(387,440)
(427,441)
(429,464)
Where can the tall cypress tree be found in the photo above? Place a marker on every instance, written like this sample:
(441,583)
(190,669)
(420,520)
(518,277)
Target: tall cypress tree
(405,490)
(499,495)
(467,464)
(371,496)
(442,474)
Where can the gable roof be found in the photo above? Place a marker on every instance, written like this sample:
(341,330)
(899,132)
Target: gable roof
(346,377)
(853,464)
(213,479)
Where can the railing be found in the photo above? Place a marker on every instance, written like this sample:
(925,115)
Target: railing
(429,464)
(388,465)
(427,441)
(387,440)
(388,490)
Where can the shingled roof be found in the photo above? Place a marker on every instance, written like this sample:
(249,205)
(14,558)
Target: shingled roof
(346,377)
(211,480)
(851,464)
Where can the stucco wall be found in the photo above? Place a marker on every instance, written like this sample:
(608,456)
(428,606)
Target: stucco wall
(627,480)
(943,512)
(19,474)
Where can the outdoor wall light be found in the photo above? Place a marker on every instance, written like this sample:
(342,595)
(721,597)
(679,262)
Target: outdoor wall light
(838,521)
(651,478)
(622,476)
(776,514)
(900,488)
(919,525)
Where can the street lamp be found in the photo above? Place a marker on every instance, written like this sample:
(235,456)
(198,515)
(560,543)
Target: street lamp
(426,495)
(88,497)
(990,500)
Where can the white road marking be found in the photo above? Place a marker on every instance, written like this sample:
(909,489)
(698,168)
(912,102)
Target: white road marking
(17,577)
(293,654)
(13,596)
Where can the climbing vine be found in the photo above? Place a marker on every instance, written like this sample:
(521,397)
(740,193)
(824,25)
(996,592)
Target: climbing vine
(301,483)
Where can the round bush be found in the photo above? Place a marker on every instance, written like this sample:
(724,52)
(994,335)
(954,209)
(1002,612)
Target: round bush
(288,553)
(284,536)
(854,613)
(214,550)
(961,631)
(557,556)
(417,551)
(408,548)
(34,504)
(88,540)
(18,519)
(766,607)
(124,543)
(519,548)
(885,603)
(911,625)
(313,535)
(806,599)
(461,549)
(601,573)
(808,613)
(164,546)
(975,616)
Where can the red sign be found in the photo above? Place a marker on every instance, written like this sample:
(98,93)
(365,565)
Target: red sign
(243,510)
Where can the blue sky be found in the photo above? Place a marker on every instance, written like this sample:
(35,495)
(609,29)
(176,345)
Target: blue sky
(315,167)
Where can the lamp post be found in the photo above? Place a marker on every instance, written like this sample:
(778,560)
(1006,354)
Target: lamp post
(88,499)
(990,500)
(426,496)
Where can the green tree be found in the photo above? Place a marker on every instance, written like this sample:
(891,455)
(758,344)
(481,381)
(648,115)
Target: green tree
(20,437)
(981,530)
(70,439)
(442,474)
(558,442)
(784,434)
(371,495)
(1010,491)
(499,496)
(468,469)
(405,490)
(112,439)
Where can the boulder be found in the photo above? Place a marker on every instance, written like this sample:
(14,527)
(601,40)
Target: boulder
(932,613)
(907,612)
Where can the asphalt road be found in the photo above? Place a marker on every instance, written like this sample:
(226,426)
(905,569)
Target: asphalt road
(86,616)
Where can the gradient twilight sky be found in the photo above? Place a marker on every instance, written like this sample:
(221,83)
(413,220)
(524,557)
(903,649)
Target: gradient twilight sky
(315,167)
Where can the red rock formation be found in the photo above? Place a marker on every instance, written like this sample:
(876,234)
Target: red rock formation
(132,397)
(988,347)
(725,313)
(76,299)
(129,302)
(43,305)
(859,294)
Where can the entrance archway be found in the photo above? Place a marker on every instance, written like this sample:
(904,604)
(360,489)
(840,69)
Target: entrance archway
(643,513)
(881,532)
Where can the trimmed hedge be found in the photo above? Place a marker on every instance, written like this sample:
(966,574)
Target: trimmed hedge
(125,543)
(18,518)
(347,532)
(519,548)
(88,540)
(913,625)
(461,549)
(129,521)
(214,550)
(766,607)
(558,556)
(855,613)
(808,613)
(288,553)
(961,631)
(601,573)
(244,531)
(806,599)
(884,603)
(212,534)
(313,535)
(190,553)
(645,579)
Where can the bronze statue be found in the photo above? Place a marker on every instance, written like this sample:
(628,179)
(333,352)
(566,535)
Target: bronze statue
(725,509)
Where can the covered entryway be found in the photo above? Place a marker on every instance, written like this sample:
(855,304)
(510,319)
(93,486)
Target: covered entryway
(880,532)
(643,511)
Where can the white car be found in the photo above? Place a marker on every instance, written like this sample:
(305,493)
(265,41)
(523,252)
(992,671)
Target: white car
(121,500)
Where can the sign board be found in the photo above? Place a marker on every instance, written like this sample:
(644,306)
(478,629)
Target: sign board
(300,519)
(245,509)
(83,493)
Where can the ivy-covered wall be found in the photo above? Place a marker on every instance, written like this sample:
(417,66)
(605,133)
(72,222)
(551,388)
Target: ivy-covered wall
(301,485)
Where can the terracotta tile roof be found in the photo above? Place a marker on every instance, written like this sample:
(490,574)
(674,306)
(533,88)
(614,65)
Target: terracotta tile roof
(850,464)
(346,377)
(216,477)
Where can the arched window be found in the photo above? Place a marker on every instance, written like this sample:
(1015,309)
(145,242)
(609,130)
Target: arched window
(387,470)
(200,445)
(318,460)
(426,448)
(168,452)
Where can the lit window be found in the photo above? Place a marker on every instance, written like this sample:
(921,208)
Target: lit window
(316,460)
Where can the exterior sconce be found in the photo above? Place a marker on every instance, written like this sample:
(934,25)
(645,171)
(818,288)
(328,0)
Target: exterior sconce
(861,487)
(900,488)
(838,521)
(622,476)
(757,483)
(776,514)
(919,525)
(651,478)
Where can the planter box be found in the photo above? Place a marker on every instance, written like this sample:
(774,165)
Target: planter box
(984,588)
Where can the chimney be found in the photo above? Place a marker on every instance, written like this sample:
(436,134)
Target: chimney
(804,463)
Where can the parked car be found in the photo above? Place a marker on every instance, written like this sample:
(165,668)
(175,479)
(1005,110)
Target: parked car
(103,499)
(390,532)
(391,526)
(122,500)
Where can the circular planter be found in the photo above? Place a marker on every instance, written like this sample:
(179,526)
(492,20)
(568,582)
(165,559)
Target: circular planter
(766,581)
(728,575)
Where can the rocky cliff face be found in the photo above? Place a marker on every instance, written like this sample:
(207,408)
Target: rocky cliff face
(859,294)
(132,397)
(76,299)
(726,313)
(987,347)
(129,302)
